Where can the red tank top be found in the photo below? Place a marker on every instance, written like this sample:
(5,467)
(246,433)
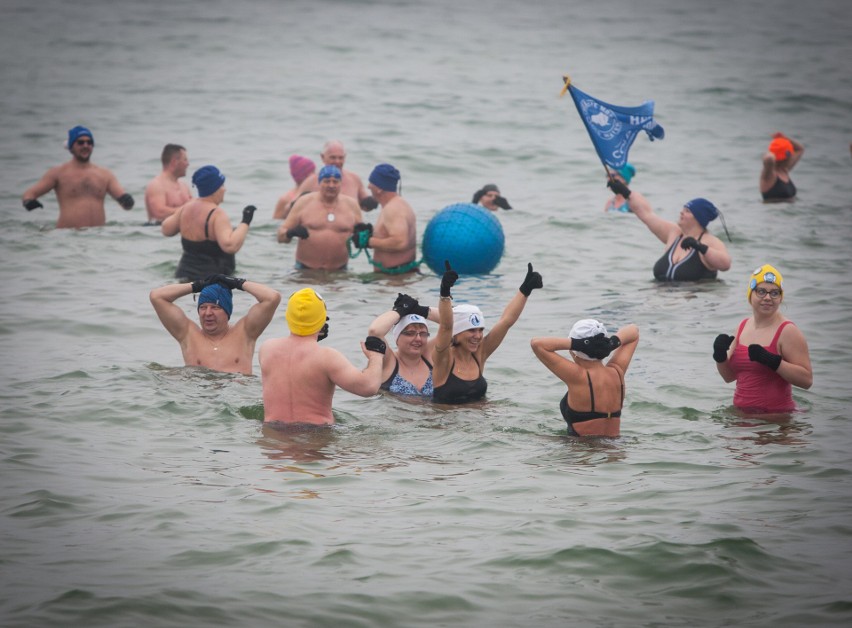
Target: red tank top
(758,386)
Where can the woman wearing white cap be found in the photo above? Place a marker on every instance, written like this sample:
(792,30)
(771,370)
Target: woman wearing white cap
(408,370)
(462,347)
(591,383)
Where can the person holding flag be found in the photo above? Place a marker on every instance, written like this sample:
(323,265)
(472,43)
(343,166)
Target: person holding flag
(692,253)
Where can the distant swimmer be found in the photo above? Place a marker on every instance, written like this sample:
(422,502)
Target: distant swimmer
(301,168)
(489,197)
(617,203)
(394,238)
(781,157)
(80,186)
(692,253)
(165,193)
(462,346)
(215,343)
(299,376)
(209,242)
(591,383)
(408,370)
(334,154)
(770,354)
(323,222)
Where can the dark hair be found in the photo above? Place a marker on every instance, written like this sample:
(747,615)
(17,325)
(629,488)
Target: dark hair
(169,151)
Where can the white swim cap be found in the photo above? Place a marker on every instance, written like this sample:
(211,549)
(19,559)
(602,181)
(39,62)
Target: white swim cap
(466,317)
(404,322)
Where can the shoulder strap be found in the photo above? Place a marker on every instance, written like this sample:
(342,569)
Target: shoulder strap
(207,222)
(591,391)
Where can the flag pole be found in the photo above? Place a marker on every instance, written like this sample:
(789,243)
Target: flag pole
(567,80)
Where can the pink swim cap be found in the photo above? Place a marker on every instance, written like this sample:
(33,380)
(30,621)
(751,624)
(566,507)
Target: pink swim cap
(301,168)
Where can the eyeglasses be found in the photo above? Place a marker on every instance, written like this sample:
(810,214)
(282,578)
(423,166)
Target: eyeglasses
(84,143)
(415,334)
(762,292)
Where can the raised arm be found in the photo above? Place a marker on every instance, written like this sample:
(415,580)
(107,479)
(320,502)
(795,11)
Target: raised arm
(623,354)
(639,205)
(171,316)
(511,313)
(444,338)
(230,240)
(545,349)
(260,314)
(345,375)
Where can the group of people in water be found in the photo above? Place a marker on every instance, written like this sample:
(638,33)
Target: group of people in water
(766,357)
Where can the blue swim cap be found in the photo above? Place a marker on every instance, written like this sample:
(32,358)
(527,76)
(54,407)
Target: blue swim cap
(627,172)
(207,180)
(385,177)
(703,210)
(79,131)
(329,171)
(218,295)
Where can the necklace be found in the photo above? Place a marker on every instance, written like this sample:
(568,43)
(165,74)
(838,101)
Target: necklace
(216,343)
(330,209)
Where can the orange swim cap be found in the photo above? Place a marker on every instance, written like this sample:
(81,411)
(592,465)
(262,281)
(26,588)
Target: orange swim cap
(781,147)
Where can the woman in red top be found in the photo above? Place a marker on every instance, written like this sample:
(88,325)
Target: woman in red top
(770,354)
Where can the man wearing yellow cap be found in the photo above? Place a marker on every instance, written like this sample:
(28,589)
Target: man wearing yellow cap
(299,375)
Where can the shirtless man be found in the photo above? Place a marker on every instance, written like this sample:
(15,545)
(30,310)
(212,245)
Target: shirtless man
(299,375)
(80,186)
(323,222)
(394,239)
(215,343)
(333,154)
(301,168)
(165,193)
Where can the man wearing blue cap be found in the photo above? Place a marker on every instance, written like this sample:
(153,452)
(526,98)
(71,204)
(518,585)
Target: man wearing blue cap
(323,222)
(394,238)
(214,343)
(80,185)
(334,154)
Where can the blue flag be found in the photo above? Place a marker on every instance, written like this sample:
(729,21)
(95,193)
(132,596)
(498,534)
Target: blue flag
(613,128)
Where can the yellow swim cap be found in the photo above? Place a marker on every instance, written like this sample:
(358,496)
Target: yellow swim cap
(764,274)
(305,312)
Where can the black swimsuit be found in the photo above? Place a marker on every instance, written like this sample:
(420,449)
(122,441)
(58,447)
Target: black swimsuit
(780,190)
(572,416)
(690,268)
(204,258)
(457,390)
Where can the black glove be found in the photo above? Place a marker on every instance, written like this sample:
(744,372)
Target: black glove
(692,243)
(248,213)
(126,201)
(448,280)
(31,204)
(405,305)
(374,343)
(477,196)
(298,232)
(199,284)
(233,283)
(323,332)
(368,203)
(597,347)
(618,187)
(756,353)
(721,346)
(502,203)
(361,235)
(531,281)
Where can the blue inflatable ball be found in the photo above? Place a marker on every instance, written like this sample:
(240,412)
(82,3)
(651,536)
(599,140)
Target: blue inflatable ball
(467,235)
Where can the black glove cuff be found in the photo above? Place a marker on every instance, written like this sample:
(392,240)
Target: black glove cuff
(374,343)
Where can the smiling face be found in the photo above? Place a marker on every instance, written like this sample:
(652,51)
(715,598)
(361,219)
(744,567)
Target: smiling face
(766,298)
(469,339)
(334,155)
(82,148)
(412,340)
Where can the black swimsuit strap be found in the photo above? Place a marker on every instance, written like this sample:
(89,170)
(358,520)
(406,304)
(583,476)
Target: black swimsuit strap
(591,391)
(206,222)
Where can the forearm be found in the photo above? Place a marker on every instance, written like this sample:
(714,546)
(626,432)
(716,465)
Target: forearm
(717,259)
(171,225)
(628,334)
(726,371)
(796,374)
(234,240)
(391,244)
(550,344)
(383,324)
